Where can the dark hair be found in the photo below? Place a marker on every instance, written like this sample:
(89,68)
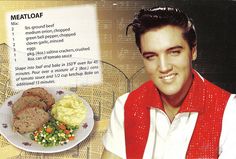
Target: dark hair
(147,19)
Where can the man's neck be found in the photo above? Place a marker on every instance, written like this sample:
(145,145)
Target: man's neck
(170,111)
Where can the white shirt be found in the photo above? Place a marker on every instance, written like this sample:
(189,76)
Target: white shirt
(173,138)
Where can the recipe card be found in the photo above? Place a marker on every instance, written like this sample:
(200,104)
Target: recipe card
(54,47)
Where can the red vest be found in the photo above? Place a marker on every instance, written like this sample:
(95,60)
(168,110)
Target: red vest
(203,97)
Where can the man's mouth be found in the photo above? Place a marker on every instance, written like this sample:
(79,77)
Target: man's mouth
(168,77)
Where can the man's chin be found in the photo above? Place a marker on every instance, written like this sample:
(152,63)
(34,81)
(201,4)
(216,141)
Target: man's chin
(170,92)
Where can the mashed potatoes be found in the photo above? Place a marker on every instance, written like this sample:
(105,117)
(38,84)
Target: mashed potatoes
(69,110)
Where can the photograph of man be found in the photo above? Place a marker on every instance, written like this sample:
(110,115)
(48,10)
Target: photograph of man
(177,114)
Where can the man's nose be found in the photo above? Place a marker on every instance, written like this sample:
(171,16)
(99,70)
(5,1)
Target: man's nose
(164,64)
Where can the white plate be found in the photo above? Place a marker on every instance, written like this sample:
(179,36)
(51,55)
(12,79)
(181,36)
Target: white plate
(25,143)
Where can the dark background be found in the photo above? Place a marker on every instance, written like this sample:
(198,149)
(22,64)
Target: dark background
(215,23)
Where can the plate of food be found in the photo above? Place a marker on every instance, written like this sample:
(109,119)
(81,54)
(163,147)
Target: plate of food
(45,120)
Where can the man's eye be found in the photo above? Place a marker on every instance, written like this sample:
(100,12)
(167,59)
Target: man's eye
(149,57)
(175,52)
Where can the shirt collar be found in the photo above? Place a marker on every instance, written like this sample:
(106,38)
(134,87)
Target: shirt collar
(193,102)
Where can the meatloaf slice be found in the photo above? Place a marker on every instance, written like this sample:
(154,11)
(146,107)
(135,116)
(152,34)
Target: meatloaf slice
(42,93)
(30,119)
(28,101)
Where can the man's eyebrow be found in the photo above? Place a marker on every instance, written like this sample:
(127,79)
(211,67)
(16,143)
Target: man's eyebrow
(175,47)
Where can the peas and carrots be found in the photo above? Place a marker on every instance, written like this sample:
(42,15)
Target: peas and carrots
(62,126)
(53,133)
(49,130)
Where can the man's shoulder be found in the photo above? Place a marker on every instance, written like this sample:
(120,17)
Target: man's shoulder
(143,88)
(137,93)
(216,98)
(214,89)
(210,86)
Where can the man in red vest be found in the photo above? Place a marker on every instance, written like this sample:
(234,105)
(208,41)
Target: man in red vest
(177,114)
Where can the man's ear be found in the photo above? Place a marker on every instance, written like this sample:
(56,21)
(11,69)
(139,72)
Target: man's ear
(194,53)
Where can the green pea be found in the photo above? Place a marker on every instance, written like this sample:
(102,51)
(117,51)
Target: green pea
(32,136)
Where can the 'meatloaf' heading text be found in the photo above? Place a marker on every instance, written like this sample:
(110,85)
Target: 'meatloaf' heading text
(26,16)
